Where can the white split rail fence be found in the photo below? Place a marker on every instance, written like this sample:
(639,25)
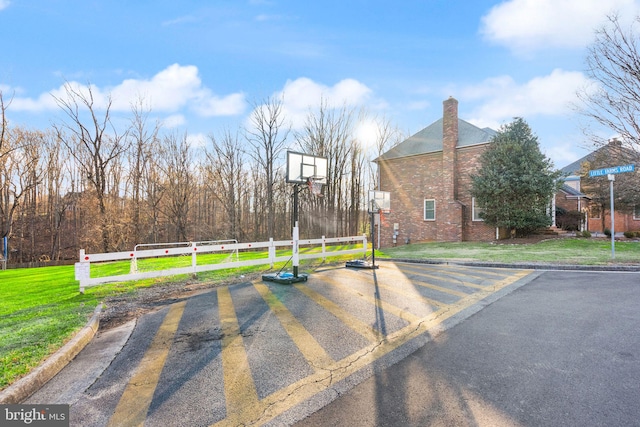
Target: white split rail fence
(83,267)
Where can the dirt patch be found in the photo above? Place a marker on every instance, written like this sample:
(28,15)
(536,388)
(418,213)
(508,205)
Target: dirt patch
(123,308)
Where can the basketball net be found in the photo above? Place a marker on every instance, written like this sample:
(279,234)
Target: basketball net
(315,185)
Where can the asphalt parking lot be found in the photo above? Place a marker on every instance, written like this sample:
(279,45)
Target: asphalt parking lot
(261,352)
(563,350)
(408,344)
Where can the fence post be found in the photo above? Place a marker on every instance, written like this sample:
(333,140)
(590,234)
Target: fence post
(364,244)
(272,252)
(324,247)
(194,261)
(134,264)
(82,271)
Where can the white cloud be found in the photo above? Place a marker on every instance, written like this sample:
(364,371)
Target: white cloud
(211,105)
(534,24)
(4,4)
(173,121)
(173,89)
(303,95)
(562,153)
(197,140)
(501,98)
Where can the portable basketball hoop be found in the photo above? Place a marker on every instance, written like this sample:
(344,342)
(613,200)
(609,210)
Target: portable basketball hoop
(379,204)
(301,169)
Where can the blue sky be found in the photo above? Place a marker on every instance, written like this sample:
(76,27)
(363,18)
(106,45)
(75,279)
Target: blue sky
(203,65)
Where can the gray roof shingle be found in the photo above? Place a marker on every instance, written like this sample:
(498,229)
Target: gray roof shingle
(429,140)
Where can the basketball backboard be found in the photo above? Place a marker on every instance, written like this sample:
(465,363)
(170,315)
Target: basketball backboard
(379,201)
(300,167)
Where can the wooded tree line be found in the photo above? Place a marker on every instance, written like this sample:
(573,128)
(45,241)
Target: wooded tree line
(91,182)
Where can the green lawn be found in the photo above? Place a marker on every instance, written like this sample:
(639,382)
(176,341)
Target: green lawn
(557,251)
(41,308)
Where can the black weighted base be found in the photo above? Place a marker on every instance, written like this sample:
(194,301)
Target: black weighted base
(285,278)
(359,263)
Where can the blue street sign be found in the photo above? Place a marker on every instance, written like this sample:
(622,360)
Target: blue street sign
(612,170)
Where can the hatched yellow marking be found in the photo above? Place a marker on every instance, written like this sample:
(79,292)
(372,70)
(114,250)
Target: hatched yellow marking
(395,272)
(259,413)
(402,286)
(136,398)
(377,302)
(418,272)
(239,388)
(315,354)
(441,289)
(348,319)
(463,270)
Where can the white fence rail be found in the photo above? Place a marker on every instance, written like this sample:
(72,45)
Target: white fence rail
(83,268)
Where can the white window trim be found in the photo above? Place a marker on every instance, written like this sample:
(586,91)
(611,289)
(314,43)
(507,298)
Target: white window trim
(473,211)
(424,209)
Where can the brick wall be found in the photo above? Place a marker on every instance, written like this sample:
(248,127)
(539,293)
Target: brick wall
(413,179)
(623,222)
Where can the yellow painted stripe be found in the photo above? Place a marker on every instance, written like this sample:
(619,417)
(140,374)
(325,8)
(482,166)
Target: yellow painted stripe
(439,277)
(396,272)
(397,287)
(296,393)
(136,399)
(239,388)
(441,289)
(463,270)
(316,356)
(377,302)
(475,272)
(345,317)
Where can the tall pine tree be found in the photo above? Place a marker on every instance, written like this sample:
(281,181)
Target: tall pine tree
(516,182)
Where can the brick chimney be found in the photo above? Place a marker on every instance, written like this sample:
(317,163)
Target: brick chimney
(449,144)
(450,211)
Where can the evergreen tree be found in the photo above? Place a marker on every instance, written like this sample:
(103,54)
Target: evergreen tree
(516,182)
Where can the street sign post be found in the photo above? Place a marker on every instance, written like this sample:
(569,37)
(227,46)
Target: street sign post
(610,174)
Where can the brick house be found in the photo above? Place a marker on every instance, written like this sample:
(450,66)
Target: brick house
(428,176)
(571,198)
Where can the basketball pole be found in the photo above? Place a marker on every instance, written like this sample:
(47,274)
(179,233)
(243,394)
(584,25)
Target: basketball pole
(373,234)
(296,233)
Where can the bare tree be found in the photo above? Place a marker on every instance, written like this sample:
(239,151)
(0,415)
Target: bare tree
(329,132)
(154,188)
(142,139)
(176,163)
(93,142)
(267,136)
(225,163)
(613,64)
(57,166)
(19,171)
(386,137)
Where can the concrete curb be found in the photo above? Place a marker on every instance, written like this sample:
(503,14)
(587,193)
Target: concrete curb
(26,386)
(527,266)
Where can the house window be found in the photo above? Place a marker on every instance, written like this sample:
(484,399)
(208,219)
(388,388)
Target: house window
(475,210)
(636,212)
(595,212)
(429,210)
